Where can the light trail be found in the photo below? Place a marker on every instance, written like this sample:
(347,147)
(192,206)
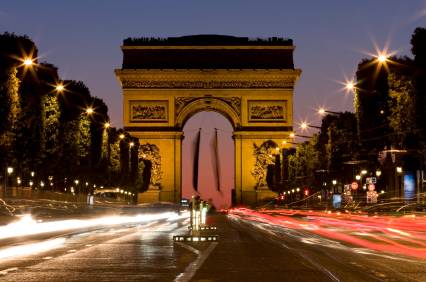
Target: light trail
(404,235)
(28,226)
(31,249)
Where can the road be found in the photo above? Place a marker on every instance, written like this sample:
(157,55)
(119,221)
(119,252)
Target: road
(249,249)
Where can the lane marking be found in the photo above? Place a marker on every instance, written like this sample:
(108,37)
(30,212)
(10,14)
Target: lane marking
(188,247)
(191,269)
(6,271)
(320,267)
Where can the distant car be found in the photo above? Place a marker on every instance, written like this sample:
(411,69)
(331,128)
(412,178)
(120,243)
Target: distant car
(184,203)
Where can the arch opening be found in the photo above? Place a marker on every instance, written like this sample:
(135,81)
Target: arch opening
(216,169)
(208,104)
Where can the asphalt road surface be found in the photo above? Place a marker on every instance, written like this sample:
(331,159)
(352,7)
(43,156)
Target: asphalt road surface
(246,251)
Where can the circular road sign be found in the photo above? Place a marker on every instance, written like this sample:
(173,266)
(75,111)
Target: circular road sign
(354,185)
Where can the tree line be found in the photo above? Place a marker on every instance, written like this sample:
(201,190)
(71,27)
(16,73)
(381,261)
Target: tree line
(387,129)
(54,132)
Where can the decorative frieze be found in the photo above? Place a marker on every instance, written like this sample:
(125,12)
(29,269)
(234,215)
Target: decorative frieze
(208,84)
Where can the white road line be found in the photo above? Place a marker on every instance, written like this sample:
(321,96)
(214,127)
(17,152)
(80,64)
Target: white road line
(195,265)
(320,267)
(6,271)
(188,247)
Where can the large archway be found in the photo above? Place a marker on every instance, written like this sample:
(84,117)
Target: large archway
(167,81)
(216,171)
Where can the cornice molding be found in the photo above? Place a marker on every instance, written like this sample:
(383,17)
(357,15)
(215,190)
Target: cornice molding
(207,79)
(209,47)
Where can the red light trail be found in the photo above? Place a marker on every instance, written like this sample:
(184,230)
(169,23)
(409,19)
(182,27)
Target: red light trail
(403,235)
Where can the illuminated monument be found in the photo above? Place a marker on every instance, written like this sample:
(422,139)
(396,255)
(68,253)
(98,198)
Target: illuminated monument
(249,81)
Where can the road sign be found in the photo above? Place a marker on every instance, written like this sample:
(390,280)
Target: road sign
(371,187)
(354,185)
(371,180)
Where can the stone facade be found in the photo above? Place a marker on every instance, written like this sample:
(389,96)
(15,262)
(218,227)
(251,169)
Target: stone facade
(158,102)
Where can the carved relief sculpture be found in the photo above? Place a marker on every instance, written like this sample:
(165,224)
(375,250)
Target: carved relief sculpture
(148,111)
(274,110)
(263,157)
(151,152)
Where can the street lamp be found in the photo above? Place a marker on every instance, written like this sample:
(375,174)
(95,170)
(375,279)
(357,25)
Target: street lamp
(59,88)
(363,172)
(399,169)
(132,144)
(89,111)
(350,86)
(28,62)
(378,173)
(107,125)
(382,57)
(8,172)
(304,125)
(322,111)
(358,177)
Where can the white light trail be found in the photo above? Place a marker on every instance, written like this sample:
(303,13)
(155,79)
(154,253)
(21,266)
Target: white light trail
(30,249)
(28,226)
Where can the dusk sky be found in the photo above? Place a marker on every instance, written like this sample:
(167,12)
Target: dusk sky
(83,38)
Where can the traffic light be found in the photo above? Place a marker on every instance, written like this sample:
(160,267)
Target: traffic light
(306,192)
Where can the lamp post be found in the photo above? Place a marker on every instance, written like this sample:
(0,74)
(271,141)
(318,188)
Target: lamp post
(8,172)
(322,111)
(305,125)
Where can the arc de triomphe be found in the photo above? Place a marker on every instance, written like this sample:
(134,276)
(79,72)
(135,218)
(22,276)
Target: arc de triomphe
(166,81)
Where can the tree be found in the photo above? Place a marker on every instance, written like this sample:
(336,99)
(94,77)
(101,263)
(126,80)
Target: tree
(402,105)
(18,109)
(50,146)
(9,110)
(114,156)
(303,163)
(418,43)
(42,130)
(371,107)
